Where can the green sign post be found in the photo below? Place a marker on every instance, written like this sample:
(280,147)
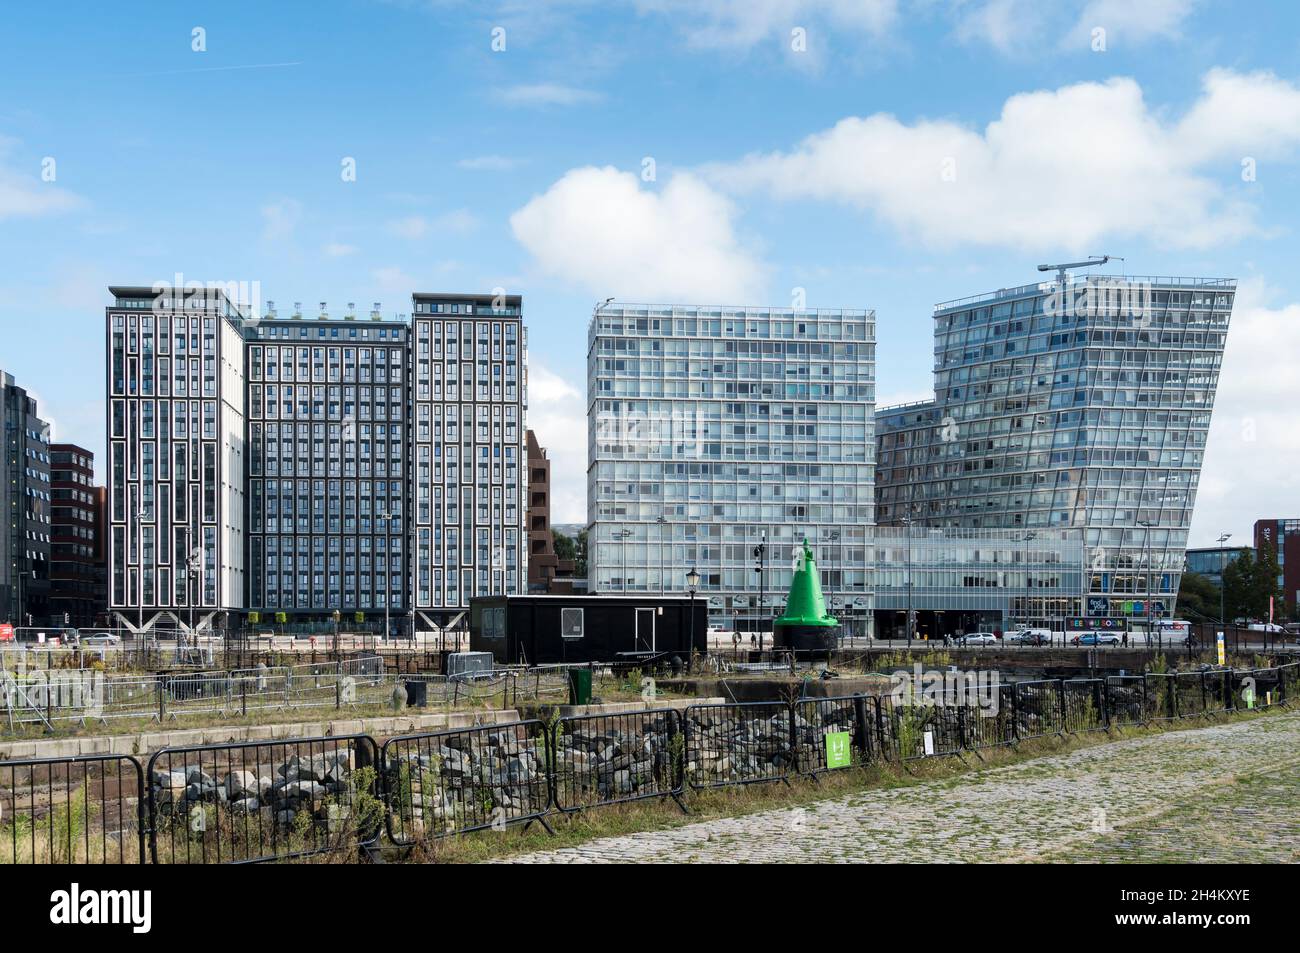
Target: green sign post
(839,753)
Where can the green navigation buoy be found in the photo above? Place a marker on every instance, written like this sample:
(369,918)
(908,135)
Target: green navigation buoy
(806,626)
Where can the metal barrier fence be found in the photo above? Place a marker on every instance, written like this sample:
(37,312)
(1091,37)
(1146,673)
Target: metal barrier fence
(919,729)
(78,810)
(614,759)
(1162,692)
(1083,705)
(739,743)
(1126,700)
(440,783)
(835,732)
(1039,709)
(278,800)
(264,800)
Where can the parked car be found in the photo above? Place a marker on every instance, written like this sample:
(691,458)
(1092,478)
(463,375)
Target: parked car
(977,638)
(99,638)
(1266,627)
(1030,637)
(1096,638)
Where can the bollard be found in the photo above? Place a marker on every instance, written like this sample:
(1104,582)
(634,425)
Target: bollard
(338,685)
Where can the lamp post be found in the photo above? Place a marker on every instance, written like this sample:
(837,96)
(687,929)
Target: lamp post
(1223,564)
(663,523)
(141,514)
(907,523)
(20,615)
(1028,537)
(388,590)
(760,554)
(1146,560)
(832,536)
(692,584)
(622,536)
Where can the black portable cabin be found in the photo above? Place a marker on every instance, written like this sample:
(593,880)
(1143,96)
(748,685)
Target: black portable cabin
(542,630)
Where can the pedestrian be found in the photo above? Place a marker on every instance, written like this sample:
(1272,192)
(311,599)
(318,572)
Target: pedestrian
(1125,638)
(753,641)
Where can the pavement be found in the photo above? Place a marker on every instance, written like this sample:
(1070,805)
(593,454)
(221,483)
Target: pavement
(1225,793)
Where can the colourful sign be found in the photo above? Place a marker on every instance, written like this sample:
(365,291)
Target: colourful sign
(1222,649)
(839,752)
(6,633)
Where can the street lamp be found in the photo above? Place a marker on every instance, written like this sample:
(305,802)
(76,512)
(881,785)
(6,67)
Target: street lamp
(141,514)
(1223,565)
(338,616)
(663,523)
(1146,559)
(388,590)
(907,523)
(760,554)
(692,584)
(1028,537)
(832,537)
(622,535)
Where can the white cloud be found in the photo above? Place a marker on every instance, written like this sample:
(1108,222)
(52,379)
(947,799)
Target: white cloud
(546,94)
(490,163)
(1252,459)
(742,24)
(27,195)
(1009,26)
(557,414)
(417,226)
(1063,168)
(338,249)
(1130,22)
(600,229)
(280,218)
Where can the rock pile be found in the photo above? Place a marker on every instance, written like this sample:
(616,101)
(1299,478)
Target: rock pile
(303,783)
(468,779)
(613,758)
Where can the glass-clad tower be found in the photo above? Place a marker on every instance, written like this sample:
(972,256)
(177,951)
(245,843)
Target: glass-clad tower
(716,430)
(1081,402)
(328,466)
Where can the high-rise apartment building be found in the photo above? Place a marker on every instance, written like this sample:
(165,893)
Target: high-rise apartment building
(76,571)
(25,501)
(542,561)
(721,437)
(354,464)
(176,438)
(1282,537)
(1077,403)
(470,359)
(328,465)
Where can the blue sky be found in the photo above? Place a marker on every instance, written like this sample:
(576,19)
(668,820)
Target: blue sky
(876,153)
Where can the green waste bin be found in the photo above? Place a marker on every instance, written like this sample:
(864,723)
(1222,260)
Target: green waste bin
(579,686)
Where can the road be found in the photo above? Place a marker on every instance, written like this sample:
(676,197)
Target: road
(1224,793)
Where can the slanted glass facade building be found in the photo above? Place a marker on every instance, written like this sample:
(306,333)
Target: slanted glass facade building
(1078,403)
(966,580)
(715,430)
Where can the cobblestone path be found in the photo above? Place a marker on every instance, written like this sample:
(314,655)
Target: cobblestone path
(1228,792)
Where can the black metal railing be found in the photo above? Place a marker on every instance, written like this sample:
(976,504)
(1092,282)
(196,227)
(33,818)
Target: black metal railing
(76,810)
(1126,700)
(292,798)
(613,759)
(265,800)
(738,743)
(440,783)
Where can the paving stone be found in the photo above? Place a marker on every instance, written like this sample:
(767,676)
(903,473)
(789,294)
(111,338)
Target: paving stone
(1223,793)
